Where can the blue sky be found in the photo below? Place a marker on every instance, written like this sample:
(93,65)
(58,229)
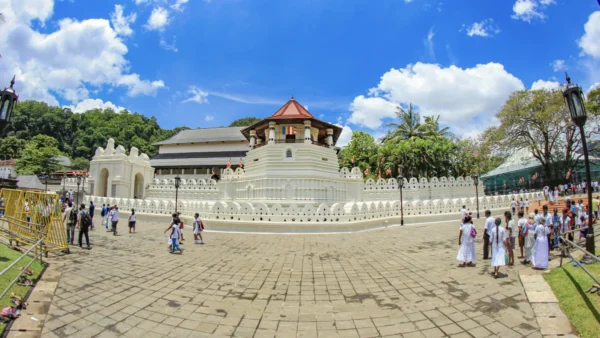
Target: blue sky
(205,63)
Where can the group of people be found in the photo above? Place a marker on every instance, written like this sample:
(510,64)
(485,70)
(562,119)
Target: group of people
(80,218)
(536,235)
(176,236)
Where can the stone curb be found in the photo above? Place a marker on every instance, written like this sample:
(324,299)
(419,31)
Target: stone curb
(31,322)
(550,318)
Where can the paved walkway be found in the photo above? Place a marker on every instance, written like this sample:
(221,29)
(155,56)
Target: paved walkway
(400,281)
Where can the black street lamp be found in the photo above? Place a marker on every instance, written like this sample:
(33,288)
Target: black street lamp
(574,99)
(476,182)
(177,183)
(400,186)
(8,99)
(78,184)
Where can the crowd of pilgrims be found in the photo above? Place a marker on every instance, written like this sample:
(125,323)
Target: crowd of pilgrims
(535,234)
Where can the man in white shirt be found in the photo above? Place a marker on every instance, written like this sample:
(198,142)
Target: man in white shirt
(115,219)
(463,214)
(490,223)
(521,224)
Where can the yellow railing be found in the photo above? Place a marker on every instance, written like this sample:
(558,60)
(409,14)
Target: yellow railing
(28,213)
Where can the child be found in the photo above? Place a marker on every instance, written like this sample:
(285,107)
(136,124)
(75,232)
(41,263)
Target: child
(132,221)
(198,227)
(175,233)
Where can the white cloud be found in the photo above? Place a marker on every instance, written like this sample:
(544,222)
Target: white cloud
(164,45)
(485,28)
(530,10)
(344,137)
(120,22)
(197,95)
(158,20)
(559,65)
(590,41)
(370,111)
(89,104)
(594,86)
(67,60)
(429,42)
(208,118)
(179,5)
(456,94)
(546,85)
(408,1)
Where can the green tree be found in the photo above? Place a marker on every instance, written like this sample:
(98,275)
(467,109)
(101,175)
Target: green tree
(11,147)
(363,149)
(408,125)
(539,121)
(39,156)
(80,163)
(245,121)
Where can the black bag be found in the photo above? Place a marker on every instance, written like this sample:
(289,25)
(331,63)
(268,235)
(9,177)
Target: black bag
(73,216)
(86,220)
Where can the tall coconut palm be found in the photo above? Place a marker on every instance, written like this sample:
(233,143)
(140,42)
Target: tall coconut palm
(433,130)
(408,127)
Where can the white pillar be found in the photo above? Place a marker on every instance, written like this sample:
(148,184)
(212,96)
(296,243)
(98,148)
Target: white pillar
(252,138)
(307,132)
(272,126)
(330,137)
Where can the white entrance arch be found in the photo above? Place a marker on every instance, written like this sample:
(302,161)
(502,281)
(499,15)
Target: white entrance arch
(102,185)
(138,186)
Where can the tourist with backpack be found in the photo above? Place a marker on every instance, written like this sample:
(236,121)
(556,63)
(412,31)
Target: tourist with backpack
(69,220)
(84,224)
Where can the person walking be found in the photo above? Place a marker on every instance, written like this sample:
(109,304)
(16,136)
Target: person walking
(83,224)
(174,227)
(91,208)
(132,221)
(549,223)
(489,225)
(539,258)
(521,205)
(521,228)
(511,237)
(463,213)
(108,217)
(529,238)
(526,205)
(466,241)
(102,213)
(69,220)
(198,227)
(115,219)
(555,229)
(513,205)
(498,239)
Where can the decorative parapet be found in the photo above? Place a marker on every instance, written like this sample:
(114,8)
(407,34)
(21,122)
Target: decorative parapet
(303,214)
(111,152)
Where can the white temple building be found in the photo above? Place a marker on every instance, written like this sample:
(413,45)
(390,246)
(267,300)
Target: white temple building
(291,182)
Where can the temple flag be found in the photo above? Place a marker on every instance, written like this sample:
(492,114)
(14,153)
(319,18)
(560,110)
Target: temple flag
(379,176)
(388,172)
(290,130)
(352,159)
(569,172)
(229,163)
(366,171)
(241,163)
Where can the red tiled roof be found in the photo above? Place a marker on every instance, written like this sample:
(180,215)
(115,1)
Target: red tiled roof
(292,110)
(8,162)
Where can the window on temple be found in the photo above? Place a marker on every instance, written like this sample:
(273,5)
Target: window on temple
(288,153)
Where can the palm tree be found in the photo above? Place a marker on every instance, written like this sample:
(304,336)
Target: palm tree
(432,128)
(409,127)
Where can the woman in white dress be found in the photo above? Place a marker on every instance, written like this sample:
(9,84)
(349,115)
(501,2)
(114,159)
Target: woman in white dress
(498,240)
(529,236)
(539,258)
(556,195)
(466,241)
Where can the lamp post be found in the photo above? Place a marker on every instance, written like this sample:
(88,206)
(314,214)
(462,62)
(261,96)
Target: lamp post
(177,183)
(400,186)
(8,99)
(574,99)
(78,184)
(476,182)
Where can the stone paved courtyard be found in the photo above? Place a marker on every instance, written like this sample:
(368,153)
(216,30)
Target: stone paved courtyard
(400,281)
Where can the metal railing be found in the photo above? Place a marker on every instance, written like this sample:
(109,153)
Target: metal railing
(565,244)
(38,246)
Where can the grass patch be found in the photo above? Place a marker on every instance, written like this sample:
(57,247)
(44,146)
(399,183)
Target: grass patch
(7,256)
(583,309)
